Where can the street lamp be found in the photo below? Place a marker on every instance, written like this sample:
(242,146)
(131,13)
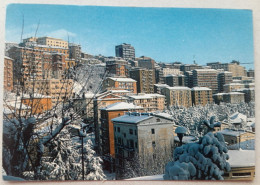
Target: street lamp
(180,131)
(82,135)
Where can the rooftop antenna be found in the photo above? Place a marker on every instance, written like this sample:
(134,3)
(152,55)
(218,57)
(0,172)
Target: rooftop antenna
(22,29)
(37,29)
(194,59)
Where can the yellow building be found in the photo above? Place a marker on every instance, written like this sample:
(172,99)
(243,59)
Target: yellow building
(180,96)
(201,96)
(242,163)
(49,41)
(58,89)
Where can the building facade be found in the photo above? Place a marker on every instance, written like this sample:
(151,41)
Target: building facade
(120,83)
(145,79)
(223,79)
(201,96)
(205,78)
(178,96)
(125,51)
(8,74)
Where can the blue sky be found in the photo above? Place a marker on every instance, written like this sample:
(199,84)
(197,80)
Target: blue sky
(165,34)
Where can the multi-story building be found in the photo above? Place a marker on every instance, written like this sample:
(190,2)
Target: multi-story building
(145,136)
(38,103)
(249,94)
(117,68)
(8,74)
(52,49)
(205,78)
(180,96)
(107,128)
(232,87)
(120,83)
(189,67)
(75,52)
(231,97)
(52,42)
(36,64)
(125,51)
(145,79)
(146,62)
(232,67)
(159,87)
(201,96)
(101,101)
(251,73)
(150,102)
(173,71)
(174,80)
(188,79)
(58,89)
(70,63)
(224,78)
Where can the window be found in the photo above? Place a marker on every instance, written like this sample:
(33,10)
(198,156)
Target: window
(118,129)
(153,144)
(131,131)
(158,120)
(152,130)
(124,134)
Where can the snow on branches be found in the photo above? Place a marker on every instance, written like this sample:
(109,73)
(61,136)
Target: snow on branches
(204,160)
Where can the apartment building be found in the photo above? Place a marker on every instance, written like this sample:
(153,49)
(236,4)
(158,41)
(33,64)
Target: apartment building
(150,102)
(128,84)
(145,136)
(201,96)
(205,78)
(49,41)
(58,89)
(178,96)
(117,68)
(233,67)
(75,52)
(146,62)
(223,79)
(8,74)
(107,128)
(145,79)
(125,51)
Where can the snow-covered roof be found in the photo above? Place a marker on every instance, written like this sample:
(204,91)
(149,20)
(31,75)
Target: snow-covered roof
(148,178)
(161,85)
(8,58)
(237,93)
(186,139)
(121,106)
(232,132)
(233,84)
(131,118)
(119,91)
(241,158)
(146,96)
(165,115)
(200,89)
(245,145)
(123,79)
(205,70)
(238,118)
(35,95)
(178,88)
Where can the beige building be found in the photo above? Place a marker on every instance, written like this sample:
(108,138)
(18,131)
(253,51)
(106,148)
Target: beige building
(232,87)
(206,78)
(145,79)
(180,96)
(128,84)
(236,136)
(201,96)
(144,135)
(49,41)
(58,89)
(242,163)
(232,67)
(150,102)
(8,74)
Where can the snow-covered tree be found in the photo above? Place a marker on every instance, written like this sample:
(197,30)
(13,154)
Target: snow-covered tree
(204,160)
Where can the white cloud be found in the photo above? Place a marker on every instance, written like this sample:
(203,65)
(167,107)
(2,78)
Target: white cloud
(61,34)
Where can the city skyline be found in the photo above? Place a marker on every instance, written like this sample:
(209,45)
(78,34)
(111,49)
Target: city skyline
(164,34)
